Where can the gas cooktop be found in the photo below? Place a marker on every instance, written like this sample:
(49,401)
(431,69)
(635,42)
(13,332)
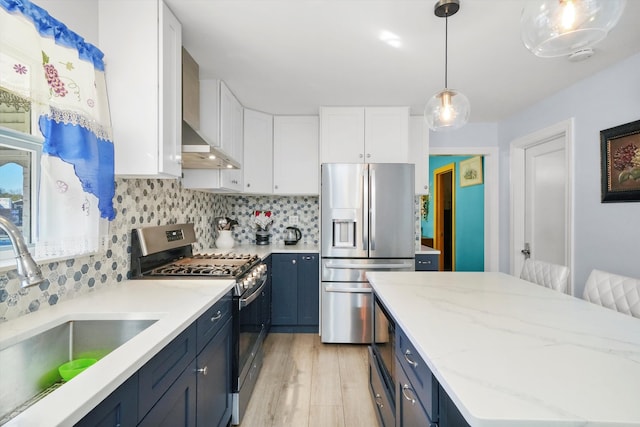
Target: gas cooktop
(209,265)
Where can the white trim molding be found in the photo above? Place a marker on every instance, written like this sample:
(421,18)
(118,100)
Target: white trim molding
(565,130)
(491,197)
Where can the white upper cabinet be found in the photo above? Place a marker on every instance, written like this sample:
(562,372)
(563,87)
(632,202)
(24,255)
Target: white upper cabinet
(364,134)
(258,152)
(221,121)
(419,152)
(231,131)
(210,111)
(295,155)
(341,135)
(144,84)
(386,134)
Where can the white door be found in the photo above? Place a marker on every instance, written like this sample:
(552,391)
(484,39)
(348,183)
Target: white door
(541,197)
(545,197)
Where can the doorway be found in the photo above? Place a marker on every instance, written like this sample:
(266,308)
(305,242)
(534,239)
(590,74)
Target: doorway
(491,206)
(445,208)
(541,198)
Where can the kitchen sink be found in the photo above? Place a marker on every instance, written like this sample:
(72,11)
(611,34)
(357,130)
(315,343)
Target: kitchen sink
(30,367)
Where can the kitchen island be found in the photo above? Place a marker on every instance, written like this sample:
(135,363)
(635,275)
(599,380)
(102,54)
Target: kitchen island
(512,353)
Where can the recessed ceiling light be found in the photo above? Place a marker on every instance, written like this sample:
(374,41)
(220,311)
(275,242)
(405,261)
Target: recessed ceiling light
(390,38)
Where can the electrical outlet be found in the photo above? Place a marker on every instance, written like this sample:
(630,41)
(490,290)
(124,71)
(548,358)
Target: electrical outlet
(293,220)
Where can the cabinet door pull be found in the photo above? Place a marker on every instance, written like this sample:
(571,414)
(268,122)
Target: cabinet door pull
(405,389)
(216,316)
(293,261)
(202,371)
(407,353)
(378,401)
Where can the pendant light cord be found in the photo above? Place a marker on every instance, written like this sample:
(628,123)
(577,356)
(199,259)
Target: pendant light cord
(446,45)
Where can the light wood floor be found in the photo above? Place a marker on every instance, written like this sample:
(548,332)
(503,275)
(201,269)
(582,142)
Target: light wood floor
(305,383)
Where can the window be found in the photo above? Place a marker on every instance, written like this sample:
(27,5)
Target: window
(19,168)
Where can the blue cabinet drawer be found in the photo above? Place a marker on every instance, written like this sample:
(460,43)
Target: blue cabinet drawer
(212,320)
(411,409)
(158,374)
(422,380)
(427,262)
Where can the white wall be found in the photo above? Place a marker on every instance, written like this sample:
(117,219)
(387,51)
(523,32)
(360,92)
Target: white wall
(80,16)
(471,135)
(606,235)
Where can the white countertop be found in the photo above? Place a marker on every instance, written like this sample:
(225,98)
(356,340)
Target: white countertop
(427,250)
(512,353)
(174,303)
(265,250)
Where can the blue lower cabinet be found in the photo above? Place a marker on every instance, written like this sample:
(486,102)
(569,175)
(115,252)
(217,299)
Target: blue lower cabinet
(410,411)
(214,380)
(450,416)
(284,289)
(177,406)
(295,288)
(158,374)
(188,383)
(427,262)
(119,409)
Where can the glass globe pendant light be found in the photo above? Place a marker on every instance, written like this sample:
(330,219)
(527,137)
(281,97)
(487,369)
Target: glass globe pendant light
(561,27)
(448,109)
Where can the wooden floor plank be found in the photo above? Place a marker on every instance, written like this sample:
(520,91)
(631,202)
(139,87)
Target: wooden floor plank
(305,383)
(326,416)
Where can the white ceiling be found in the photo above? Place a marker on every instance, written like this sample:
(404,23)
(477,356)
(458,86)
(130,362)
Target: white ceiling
(292,56)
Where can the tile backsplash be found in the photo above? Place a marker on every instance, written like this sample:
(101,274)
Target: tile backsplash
(145,202)
(306,208)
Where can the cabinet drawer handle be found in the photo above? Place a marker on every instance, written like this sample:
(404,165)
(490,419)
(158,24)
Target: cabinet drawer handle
(378,401)
(216,316)
(202,371)
(424,262)
(405,389)
(407,353)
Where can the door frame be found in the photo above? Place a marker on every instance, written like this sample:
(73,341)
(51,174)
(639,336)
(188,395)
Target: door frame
(565,130)
(491,197)
(437,218)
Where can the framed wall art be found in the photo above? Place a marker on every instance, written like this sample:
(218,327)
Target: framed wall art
(620,163)
(471,171)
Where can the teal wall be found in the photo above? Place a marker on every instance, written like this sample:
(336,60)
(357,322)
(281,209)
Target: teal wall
(469,217)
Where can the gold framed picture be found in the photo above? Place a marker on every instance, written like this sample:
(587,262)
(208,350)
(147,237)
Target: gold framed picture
(471,171)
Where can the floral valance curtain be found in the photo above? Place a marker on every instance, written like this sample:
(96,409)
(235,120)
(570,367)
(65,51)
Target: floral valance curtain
(62,75)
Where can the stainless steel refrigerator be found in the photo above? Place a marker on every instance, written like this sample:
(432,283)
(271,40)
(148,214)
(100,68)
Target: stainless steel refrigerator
(367,223)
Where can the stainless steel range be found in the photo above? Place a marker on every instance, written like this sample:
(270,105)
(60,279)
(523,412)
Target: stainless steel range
(167,251)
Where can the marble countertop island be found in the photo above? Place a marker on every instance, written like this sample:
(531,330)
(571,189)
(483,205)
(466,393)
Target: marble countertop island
(512,353)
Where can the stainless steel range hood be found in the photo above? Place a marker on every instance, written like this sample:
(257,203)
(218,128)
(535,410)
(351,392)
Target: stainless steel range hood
(197,153)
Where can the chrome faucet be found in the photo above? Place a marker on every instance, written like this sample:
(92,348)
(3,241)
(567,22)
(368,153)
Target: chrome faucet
(28,271)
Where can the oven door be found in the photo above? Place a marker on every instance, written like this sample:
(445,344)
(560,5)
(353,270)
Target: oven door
(251,329)
(383,345)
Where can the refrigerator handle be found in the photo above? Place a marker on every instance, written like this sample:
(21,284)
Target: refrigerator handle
(356,266)
(365,208)
(372,207)
(332,288)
